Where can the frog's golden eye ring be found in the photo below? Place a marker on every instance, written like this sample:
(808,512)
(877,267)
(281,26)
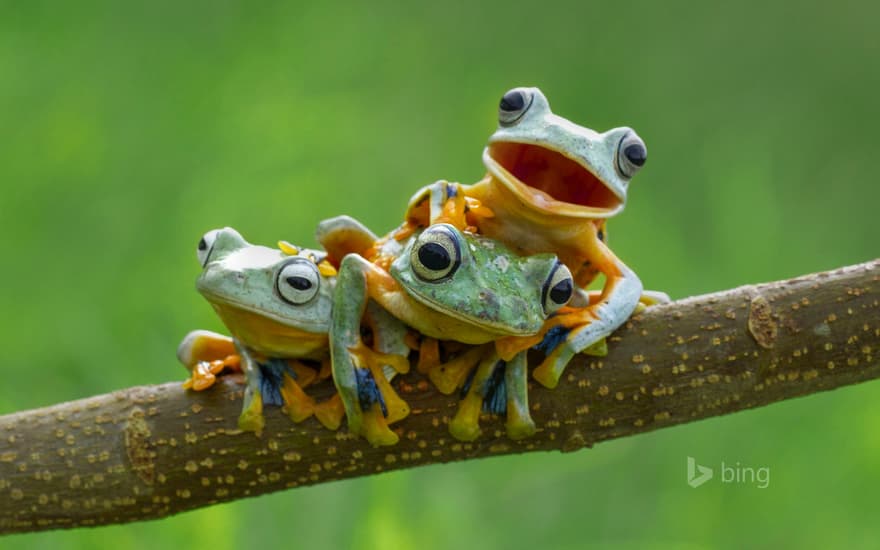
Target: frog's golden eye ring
(436,254)
(631,155)
(558,289)
(205,246)
(513,106)
(298,281)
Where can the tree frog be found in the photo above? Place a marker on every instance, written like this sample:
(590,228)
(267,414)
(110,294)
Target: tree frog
(448,285)
(276,303)
(550,187)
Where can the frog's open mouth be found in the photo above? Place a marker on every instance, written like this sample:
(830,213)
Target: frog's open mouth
(548,178)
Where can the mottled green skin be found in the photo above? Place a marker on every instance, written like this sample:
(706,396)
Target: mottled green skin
(493,287)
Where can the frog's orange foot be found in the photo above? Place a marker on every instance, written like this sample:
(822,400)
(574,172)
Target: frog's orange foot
(375,410)
(204,373)
(330,412)
(453,374)
(373,386)
(429,355)
(279,383)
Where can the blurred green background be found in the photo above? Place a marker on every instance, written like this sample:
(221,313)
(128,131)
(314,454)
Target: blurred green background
(129,129)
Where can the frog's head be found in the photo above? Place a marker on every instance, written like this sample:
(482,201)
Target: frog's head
(247,283)
(557,166)
(480,281)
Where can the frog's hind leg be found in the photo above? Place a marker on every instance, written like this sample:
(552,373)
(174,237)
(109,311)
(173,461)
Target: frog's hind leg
(251,418)
(206,354)
(357,369)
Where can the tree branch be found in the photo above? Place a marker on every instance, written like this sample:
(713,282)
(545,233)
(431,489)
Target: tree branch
(151,451)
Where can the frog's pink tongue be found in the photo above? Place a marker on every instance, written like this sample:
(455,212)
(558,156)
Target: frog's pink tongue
(553,174)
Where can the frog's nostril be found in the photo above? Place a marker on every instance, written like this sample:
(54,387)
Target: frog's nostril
(636,154)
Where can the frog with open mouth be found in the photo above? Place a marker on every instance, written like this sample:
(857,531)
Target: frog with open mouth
(448,285)
(550,187)
(276,303)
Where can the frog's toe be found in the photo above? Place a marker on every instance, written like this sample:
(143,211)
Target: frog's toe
(449,376)
(520,427)
(330,412)
(550,370)
(202,378)
(251,418)
(375,428)
(429,355)
(299,405)
(465,425)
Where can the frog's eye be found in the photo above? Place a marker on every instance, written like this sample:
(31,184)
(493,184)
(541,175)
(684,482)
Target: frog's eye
(298,281)
(436,254)
(513,106)
(558,289)
(631,155)
(206,244)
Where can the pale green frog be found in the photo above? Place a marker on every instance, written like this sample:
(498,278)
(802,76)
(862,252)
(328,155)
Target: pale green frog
(276,303)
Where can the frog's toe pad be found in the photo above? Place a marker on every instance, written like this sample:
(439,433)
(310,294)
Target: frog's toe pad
(376,429)
(251,418)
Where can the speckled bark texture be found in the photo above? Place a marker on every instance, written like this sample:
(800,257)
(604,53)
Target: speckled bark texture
(151,451)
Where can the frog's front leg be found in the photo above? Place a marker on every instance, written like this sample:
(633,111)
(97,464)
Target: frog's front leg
(358,370)
(251,418)
(519,422)
(573,332)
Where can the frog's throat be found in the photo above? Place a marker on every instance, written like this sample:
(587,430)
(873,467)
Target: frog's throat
(550,181)
(236,314)
(483,330)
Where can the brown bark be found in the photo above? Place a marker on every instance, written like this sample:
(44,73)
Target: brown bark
(148,452)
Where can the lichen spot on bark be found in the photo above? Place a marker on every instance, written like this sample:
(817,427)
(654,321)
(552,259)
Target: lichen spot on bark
(137,446)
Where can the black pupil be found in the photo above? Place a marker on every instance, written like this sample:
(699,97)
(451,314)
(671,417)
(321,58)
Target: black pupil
(636,154)
(561,292)
(434,257)
(203,245)
(512,101)
(299,283)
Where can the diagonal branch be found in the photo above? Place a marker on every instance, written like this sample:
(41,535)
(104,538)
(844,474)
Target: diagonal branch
(151,451)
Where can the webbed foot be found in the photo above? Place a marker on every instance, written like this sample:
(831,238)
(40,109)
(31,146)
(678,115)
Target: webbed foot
(451,375)
(206,354)
(330,412)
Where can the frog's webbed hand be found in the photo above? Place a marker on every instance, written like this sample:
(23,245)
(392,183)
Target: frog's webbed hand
(358,370)
(575,331)
(497,388)
(206,354)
